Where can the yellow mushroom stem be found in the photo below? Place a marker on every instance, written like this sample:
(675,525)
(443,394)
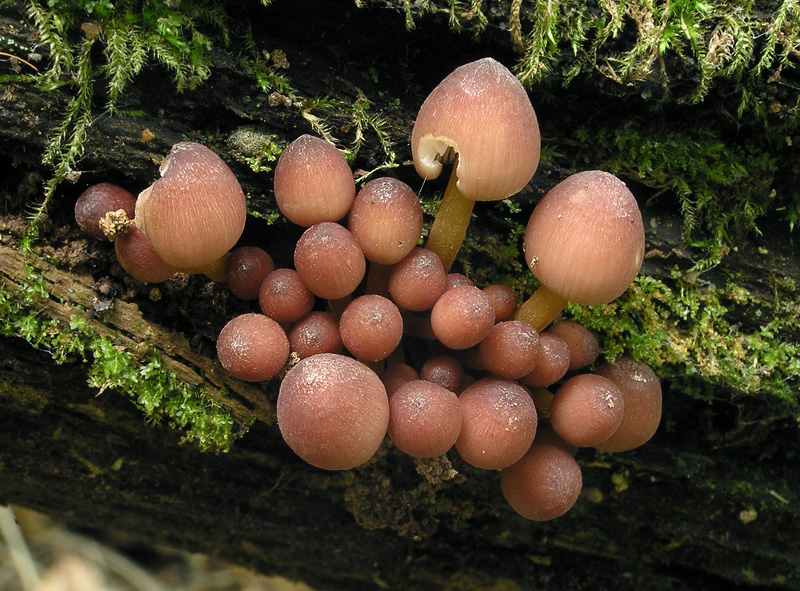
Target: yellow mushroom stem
(541,308)
(215,270)
(450,226)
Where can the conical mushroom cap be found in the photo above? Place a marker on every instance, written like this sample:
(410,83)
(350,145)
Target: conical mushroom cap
(482,113)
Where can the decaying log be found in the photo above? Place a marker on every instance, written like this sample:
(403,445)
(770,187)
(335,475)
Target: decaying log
(710,502)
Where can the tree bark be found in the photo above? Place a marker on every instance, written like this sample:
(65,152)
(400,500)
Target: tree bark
(710,502)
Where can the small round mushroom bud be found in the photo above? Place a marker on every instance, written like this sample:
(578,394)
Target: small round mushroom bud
(462,317)
(196,211)
(371,327)
(504,301)
(313,182)
(481,117)
(445,371)
(641,391)
(139,259)
(333,411)
(329,261)
(252,347)
(284,297)
(424,419)
(553,362)
(544,484)
(582,344)
(498,423)
(584,242)
(98,200)
(397,374)
(386,220)
(586,410)
(457,280)
(416,282)
(315,333)
(511,350)
(245,271)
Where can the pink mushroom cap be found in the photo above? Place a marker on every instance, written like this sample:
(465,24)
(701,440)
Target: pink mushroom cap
(585,238)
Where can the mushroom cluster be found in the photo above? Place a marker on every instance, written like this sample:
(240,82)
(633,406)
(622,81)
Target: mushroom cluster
(371,333)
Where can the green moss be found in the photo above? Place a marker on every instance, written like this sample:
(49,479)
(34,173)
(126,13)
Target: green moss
(718,116)
(723,188)
(131,33)
(255,148)
(680,49)
(159,393)
(684,331)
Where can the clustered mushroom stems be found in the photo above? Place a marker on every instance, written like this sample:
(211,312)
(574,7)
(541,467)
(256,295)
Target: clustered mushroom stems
(489,380)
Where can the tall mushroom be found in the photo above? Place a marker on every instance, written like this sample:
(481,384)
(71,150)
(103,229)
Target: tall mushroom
(585,244)
(481,119)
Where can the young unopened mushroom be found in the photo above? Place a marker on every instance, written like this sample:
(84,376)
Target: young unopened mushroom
(553,362)
(333,411)
(195,212)
(511,350)
(99,200)
(252,347)
(313,182)
(445,371)
(504,301)
(329,261)
(386,220)
(317,332)
(498,423)
(424,419)
(641,391)
(585,244)
(284,297)
(480,118)
(371,327)
(582,344)
(139,259)
(417,281)
(245,271)
(462,317)
(544,484)
(586,410)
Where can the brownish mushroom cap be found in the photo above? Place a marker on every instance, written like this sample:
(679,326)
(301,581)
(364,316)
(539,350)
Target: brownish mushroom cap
(386,220)
(584,242)
(482,113)
(585,239)
(195,212)
(641,391)
(333,411)
(544,484)
(313,182)
(480,117)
